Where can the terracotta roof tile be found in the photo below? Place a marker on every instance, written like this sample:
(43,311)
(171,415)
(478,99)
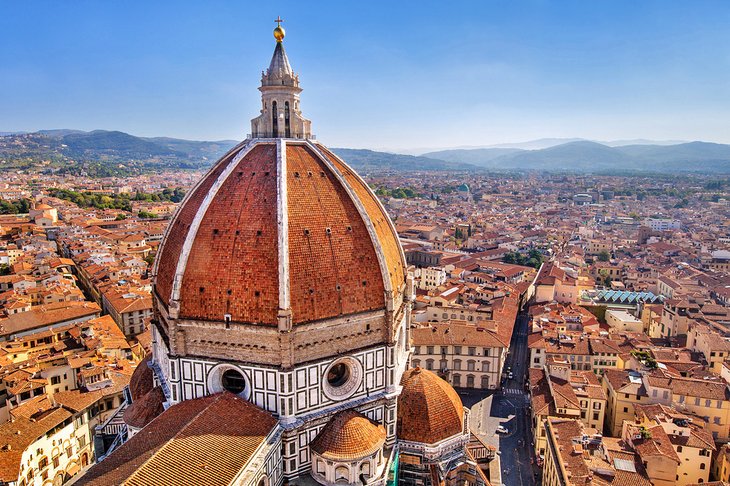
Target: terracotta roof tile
(178,230)
(349,435)
(239,234)
(333,266)
(141,381)
(429,409)
(20,434)
(189,443)
(145,409)
(452,333)
(387,237)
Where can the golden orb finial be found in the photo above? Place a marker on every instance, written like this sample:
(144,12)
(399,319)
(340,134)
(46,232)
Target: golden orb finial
(279,31)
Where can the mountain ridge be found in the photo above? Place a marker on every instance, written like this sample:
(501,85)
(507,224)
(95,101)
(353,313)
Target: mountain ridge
(110,152)
(587,156)
(120,153)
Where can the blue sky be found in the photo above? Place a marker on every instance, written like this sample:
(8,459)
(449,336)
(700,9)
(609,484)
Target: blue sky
(375,74)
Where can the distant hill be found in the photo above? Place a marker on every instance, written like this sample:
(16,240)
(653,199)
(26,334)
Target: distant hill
(363,160)
(640,141)
(114,144)
(60,132)
(210,151)
(569,156)
(692,156)
(102,153)
(539,144)
(105,153)
(586,156)
(542,143)
(477,157)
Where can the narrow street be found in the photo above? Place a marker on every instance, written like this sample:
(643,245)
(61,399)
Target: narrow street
(509,407)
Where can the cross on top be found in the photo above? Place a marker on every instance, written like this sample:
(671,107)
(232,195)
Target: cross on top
(278,20)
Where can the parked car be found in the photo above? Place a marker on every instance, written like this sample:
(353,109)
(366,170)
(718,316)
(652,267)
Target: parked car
(501,429)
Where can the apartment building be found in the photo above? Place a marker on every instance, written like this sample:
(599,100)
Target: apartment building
(578,456)
(658,425)
(464,355)
(561,392)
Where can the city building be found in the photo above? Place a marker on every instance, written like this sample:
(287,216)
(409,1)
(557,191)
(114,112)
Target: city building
(579,456)
(559,392)
(662,224)
(463,354)
(656,428)
(623,321)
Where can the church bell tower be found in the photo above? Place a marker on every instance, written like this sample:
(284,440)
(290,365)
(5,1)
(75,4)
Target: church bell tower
(280,116)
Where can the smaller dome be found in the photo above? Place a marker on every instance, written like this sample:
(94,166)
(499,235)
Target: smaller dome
(145,409)
(429,409)
(349,435)
(141,381)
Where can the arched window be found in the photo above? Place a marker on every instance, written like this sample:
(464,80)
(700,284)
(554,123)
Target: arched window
(470,381)
(485,381)
(342,474)
(287,126)
(416,362)
(429,364)
(274,119)
(485,365)
(457,364)
(470,365)
(457,379)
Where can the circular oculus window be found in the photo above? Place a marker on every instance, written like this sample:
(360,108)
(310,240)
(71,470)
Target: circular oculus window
(342,378)
(227,377)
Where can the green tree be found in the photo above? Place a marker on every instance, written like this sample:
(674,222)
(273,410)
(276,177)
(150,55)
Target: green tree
(146,215)
(605,277)
(6,207)
(23,205)
(604,256)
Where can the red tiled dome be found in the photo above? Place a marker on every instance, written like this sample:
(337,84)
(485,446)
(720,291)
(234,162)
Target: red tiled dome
(429,409)
(349,435)
(141,381)
(145,409)
(252,242)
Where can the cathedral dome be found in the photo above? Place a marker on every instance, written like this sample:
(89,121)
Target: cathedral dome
(279,229)
(349,435)
(429,409)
